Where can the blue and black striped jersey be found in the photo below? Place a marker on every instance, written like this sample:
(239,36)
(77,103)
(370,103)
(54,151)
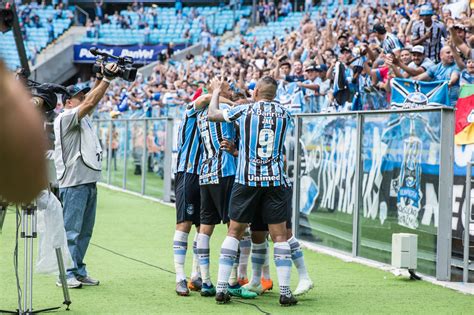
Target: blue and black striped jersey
(215,163)
(263,127)
(189,143)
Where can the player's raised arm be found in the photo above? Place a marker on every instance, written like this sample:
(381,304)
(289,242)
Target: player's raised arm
(215,113)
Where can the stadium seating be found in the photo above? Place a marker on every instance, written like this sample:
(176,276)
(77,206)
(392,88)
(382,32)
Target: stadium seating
(36,37)
(170,28)
(278,28)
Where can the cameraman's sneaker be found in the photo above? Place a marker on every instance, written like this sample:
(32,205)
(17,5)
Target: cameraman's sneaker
(88,281)
(72,283)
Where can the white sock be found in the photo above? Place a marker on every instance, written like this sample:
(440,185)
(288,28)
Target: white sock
(233,280)
(180,245)
(282,257)
(203,253)
(195,273)
(297,257)
(229,249)
(259,251)
(266,264)
(245,245)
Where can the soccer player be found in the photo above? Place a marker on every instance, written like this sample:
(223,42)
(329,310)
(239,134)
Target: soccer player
(187,194)
(259,179)
(216,178)
(261,281)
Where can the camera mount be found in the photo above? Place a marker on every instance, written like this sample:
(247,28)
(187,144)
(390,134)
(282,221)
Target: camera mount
(29,233)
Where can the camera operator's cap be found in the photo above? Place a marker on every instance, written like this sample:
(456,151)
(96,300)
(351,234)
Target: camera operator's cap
(426,10)
(379,29)
(74,90)
(418,49)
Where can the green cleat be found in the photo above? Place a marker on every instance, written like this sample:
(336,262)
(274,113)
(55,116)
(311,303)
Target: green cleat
(208,290)
(241,292)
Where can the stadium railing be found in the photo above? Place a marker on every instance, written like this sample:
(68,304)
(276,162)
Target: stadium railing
(135,162)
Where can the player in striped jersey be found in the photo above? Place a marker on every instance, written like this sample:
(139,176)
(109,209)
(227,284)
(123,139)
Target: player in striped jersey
(259,179)
(187,197)
(187,194)
(217,175)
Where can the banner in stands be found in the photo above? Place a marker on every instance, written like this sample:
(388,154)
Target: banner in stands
(140,53)
(409,93)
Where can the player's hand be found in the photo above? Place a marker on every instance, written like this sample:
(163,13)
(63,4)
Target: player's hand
(229,147)
(216,84)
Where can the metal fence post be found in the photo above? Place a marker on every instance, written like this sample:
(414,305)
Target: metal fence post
(125,155)
(296,177)
(443,253)
(467,221)
(144,157)
(109,153)
(358,183)
(167,169)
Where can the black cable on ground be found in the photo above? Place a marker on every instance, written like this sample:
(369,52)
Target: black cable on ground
(255,305)
(168,271)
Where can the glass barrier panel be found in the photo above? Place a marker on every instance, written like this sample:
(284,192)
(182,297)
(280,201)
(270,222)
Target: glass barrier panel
(103,133)
(156,136)
(328,188)
(135,138)
(117,153)
(400,162)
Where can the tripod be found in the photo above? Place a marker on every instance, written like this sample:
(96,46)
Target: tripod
(28,233)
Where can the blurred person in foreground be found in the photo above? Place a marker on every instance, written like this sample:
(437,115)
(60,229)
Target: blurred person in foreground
(23,142)
(78,161)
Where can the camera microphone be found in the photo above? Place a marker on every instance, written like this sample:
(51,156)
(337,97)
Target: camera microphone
(96,52)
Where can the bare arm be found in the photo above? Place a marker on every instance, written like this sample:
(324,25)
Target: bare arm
(215,113)
(422,77)
(463,47)
(92,99)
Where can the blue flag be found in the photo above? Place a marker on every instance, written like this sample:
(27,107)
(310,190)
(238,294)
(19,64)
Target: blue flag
(410,93)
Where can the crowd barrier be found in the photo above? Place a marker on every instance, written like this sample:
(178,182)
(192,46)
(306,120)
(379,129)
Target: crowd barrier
(137,154)
(362,177)
(366,175)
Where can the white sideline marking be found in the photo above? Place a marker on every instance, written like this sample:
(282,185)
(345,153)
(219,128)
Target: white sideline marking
(136,194)
(466,288)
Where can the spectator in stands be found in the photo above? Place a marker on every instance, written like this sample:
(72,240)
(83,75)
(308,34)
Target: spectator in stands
(418,65)
(390,43)
(445,70)
(467,75)
(50,28)
(99,10)
(429,33)
(286,8)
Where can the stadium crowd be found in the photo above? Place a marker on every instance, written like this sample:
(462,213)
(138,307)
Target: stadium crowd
(338,59)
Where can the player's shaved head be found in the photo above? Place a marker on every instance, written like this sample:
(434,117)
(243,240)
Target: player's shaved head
(266,88)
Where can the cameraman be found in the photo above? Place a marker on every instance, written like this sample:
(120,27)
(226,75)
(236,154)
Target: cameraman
(78,157)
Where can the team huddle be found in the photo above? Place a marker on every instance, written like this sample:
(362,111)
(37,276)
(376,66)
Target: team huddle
(231,169)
